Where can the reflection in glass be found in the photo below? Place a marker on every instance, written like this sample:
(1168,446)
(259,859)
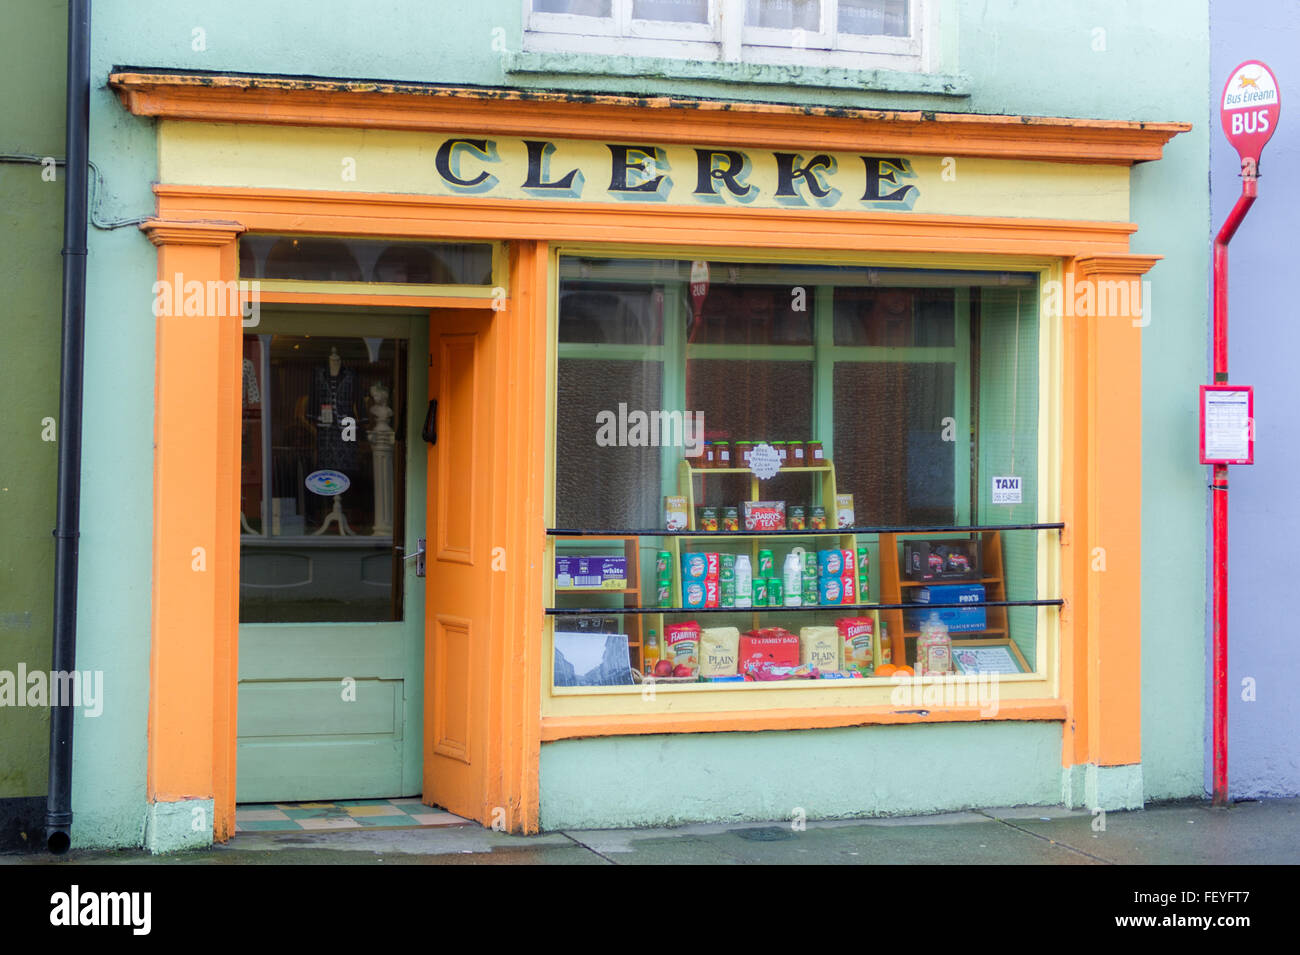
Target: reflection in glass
(586,8)
(784,14)
(322,478)
(326,259)
(874,17)
(676,11)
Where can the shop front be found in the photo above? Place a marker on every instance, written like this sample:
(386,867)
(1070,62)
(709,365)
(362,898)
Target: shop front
(707,460)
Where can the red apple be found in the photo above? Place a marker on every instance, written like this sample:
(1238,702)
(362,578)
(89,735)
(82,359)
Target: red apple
(664,668)
(683,670)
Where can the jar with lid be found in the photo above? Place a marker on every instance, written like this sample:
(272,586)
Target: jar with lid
(796,454)
(814,454)
(782,450)
(706,459)
(742,452)
(721,454)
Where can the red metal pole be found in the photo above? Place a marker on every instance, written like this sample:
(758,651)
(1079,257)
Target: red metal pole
(1219,485)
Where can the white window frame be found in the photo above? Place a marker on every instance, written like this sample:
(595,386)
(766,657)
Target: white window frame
(726,39)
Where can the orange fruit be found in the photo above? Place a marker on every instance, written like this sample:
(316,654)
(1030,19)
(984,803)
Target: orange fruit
(887,670)
(905,669)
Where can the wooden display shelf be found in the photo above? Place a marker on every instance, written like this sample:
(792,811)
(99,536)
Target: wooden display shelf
(631,594)
(993,579)
(826,494)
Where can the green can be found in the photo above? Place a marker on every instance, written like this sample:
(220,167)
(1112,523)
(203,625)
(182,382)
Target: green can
(760,592)
(775,592)
(663,565)
(810,597)
(810,562)
(864,559)
(727,593)
(664,594)
(727,570)
(766,564)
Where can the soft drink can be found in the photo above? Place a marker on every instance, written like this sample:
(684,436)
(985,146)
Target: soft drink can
(809,594)
(847,556)
(775,592)
(664,594)
(663,565)
(760,591)
(766,564)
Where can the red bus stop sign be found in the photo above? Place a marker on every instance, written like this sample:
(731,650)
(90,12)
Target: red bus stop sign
(1250,107)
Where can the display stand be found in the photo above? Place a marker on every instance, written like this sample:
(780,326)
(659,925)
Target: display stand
(893,588)
(631,594)
(688,476)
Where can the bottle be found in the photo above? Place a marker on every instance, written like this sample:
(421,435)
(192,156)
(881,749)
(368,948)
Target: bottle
(744,581)
(792,574)
(933,647)
(650,654)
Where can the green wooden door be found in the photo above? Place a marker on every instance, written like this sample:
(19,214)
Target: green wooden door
(332,497)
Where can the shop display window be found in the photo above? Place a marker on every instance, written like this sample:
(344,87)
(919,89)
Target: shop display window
(890,400)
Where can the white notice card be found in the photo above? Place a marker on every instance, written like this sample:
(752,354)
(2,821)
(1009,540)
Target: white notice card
(1227,425)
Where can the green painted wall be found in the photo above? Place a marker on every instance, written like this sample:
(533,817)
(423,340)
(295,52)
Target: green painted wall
(1109,58)
(31,220)
(878,770)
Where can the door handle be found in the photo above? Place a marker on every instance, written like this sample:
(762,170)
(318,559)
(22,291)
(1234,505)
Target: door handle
(418,557)
(430,430)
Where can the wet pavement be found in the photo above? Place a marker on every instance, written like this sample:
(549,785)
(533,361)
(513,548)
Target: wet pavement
(1188,833)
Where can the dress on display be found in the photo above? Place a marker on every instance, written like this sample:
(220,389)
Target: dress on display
(333,399)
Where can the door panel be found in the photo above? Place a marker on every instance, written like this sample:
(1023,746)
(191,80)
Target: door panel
(330,687)
(457,594)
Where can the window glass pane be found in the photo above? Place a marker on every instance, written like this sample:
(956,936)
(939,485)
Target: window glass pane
(326,259)
(586,8)
(676,11)
(784,14)
(890,452)
(894,317)
(738,312)
(874,17)
(607,469)
(322,478)
(611,313)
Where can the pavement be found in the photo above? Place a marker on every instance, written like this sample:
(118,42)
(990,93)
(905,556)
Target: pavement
(1184,833)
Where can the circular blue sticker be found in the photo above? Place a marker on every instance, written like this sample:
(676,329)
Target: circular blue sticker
(327,483)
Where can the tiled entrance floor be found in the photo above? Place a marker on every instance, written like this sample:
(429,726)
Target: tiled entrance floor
(344,814)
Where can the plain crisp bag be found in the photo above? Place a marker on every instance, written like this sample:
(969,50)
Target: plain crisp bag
(720,651)
(820,647)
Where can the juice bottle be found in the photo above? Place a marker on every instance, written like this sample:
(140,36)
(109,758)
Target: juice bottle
(650,654)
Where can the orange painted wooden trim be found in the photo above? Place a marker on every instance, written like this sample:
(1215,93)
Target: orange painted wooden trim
(335,213)
(372,299)
(194,642)
(572,727)
(1102,548)
(662,119)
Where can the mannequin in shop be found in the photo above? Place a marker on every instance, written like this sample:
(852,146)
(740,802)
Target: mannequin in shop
(334,399)
(381,439)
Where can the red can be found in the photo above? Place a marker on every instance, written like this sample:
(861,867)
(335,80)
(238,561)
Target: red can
(847,555)
(712,566)
(712,592)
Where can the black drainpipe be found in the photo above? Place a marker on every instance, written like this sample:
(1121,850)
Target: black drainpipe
(58,811)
